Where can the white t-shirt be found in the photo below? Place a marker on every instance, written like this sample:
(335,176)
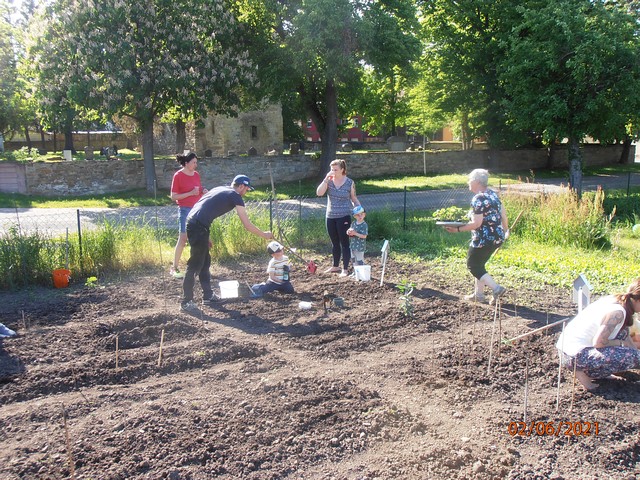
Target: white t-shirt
(580,332)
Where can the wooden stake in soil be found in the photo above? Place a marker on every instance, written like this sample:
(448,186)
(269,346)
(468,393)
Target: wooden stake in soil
(117,351)
(573,390)
(537,330)
(493,332)
(160,353)
(72,467)
(24,321)
(499,305)
(559,371)
(526,387)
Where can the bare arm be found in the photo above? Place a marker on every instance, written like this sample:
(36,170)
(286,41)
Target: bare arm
(324,185)
(246,223)
(504,220)
(607,326)
(475,222)
(354,199)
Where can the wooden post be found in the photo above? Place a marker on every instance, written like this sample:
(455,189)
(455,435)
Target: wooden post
(160,353)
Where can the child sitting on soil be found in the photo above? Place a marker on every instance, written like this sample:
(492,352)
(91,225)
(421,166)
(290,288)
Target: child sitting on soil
(358,233)
(278,270)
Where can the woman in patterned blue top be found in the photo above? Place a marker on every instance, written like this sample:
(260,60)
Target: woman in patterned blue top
(489,228)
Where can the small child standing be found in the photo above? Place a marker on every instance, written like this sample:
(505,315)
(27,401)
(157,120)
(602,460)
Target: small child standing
(278,270)
(358,233)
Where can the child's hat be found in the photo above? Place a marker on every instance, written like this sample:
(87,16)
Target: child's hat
(357,209)
(274,247)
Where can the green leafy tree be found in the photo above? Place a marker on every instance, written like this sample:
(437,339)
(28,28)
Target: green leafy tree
(571,71)
(463,44)
(51,73)
(144,59)
(425,116)
(8,76)
(383,101)
(316,48)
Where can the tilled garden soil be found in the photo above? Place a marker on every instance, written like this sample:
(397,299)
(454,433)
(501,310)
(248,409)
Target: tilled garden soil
(114,382)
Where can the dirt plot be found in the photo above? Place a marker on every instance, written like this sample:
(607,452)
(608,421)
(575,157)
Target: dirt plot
(259,389)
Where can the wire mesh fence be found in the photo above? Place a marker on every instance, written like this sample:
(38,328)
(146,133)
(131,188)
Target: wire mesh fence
(60,232)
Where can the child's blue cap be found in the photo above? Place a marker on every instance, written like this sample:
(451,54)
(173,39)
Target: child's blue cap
(357,209)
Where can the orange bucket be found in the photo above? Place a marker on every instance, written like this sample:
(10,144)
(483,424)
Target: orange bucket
(61,277)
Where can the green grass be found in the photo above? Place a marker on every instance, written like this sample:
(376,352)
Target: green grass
(543,250)
(129,198)
(286,190)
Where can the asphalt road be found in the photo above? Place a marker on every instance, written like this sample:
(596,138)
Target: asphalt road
(56,221)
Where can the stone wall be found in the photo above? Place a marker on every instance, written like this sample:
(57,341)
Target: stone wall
(99,176)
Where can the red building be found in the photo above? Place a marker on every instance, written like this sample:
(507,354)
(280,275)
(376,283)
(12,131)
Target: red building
(349,131)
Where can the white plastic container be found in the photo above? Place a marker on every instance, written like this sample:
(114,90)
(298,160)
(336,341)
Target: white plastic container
(305,305)
(363,272)
(229,289)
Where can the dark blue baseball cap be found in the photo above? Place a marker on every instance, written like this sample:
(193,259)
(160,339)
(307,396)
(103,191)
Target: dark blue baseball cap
(243,180)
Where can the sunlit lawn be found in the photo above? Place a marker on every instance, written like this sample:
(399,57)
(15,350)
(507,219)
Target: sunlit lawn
(305,188)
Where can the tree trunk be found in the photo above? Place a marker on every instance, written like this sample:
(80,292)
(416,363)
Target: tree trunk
(42,140)
(68,132)
(55,141)
(575,166)
(464,132)
(181,135)
(551,153)
(626,150)
(392,103)
(27,137)
(329,137)
(147,155)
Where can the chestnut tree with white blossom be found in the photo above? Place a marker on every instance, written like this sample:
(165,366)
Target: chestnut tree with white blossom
(142,59)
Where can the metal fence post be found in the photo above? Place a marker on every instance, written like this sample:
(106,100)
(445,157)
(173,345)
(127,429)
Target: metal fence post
(628,184)
(300,236)
(271,213)
(79,240)
(404,210)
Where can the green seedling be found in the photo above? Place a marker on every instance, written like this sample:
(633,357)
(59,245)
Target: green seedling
(92,282)
(406,300)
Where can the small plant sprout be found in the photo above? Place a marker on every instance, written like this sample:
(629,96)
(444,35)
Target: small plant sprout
(406,300)
(91,282)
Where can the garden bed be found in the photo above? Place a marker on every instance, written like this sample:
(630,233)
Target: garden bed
(260,389)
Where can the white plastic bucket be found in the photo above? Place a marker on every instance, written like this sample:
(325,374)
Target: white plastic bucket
(229,289)
(363,272)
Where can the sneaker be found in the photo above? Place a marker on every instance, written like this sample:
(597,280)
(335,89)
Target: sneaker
(344,273)
(208,302)
(175,273)
(6,332)
(475,298)
(332,270)
(189,306)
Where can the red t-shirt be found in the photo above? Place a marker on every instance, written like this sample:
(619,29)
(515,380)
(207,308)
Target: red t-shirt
(183,183)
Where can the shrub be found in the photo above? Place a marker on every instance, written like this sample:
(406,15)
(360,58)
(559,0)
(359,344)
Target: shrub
(562,219)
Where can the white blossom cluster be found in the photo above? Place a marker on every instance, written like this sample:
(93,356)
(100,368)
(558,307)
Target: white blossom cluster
(142,58)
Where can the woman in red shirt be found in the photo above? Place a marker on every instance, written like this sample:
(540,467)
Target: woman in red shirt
(186,190)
